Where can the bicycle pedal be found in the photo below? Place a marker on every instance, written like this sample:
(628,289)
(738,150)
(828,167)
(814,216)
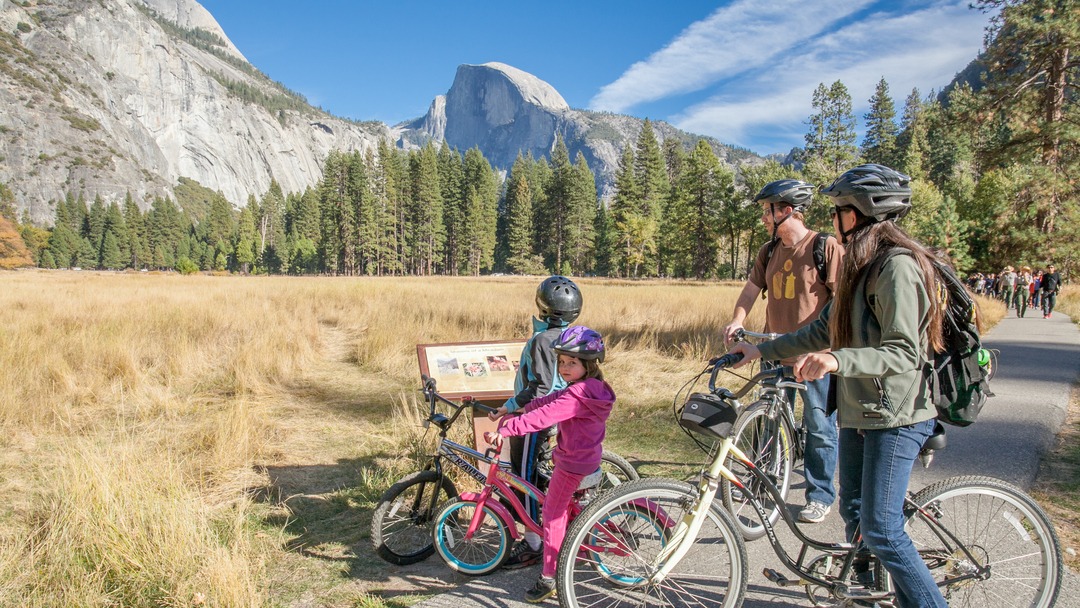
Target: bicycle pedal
(780,579)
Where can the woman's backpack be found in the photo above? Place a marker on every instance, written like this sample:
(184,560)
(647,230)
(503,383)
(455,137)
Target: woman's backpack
(960,373)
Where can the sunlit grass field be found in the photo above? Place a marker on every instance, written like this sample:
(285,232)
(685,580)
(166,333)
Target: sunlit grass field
(221,441)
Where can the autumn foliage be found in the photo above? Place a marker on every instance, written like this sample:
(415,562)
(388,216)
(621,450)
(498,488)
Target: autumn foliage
(13,252)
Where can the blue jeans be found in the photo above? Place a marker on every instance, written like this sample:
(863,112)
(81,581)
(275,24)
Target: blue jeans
(819,460)
(874,471)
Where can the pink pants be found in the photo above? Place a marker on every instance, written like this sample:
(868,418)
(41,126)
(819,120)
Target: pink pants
(556,515)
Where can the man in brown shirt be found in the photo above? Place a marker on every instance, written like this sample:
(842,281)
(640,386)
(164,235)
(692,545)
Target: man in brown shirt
(796,292)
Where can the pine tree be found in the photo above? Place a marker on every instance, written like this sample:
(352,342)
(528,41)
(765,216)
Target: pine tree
(551,228)
(912,144)
(830,142)
(95,226)
(138,251)
(164,228)
(336,221)
(1031,55)
(481,212)
(879,145)
(625,207)
(247,239)
(63,244)
(709,188)
(111,257)
(115,227)
(650,171)
(603,243)
(428,237)
(453,190)
(272,228)
(521,258)
(581,215)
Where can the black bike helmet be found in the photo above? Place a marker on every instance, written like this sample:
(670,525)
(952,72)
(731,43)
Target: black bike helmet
(558,299)
(796,193)
(878,192)
(581,342)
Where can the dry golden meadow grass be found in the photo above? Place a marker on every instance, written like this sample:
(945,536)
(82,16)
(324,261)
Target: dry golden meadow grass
(196,440)
(221,441)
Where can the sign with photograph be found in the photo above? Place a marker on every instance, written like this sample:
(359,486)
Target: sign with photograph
(484,370)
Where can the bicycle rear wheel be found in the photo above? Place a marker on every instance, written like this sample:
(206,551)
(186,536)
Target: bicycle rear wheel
(610,550)
(1002,528)
(616,470)
(767,442)
(401,523)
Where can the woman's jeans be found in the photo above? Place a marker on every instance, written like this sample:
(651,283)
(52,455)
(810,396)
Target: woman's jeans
(874,471)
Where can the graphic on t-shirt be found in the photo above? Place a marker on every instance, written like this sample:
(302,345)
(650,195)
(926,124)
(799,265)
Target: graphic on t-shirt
(783,283)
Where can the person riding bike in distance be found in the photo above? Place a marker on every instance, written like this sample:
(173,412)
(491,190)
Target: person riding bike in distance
(797,286)
(558,303)
(880,328)
(581,410)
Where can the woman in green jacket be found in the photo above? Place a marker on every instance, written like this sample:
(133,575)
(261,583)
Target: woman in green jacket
(880,327)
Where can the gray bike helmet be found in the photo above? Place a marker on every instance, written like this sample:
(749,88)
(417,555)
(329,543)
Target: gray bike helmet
(878,192)
(558,299)
(792,192)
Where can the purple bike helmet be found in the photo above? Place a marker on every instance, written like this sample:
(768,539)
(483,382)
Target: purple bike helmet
(581,342)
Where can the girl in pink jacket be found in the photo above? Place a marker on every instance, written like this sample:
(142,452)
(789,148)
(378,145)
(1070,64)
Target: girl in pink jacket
(581,410)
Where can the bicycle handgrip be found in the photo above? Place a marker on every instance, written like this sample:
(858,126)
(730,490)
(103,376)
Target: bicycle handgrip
(473,403)
(726,360)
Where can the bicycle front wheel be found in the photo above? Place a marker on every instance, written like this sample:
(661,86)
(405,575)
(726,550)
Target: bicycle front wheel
(609,555)
(1002,529)
(401,524)
(484,552)
(767,442)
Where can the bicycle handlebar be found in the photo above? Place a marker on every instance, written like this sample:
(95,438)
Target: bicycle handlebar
(780,375)
(742,333)
(433,396)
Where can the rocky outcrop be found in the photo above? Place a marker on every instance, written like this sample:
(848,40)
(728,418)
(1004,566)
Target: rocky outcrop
(107,97)
(504,111)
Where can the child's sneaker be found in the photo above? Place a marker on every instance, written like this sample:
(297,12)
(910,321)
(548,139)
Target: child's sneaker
(522,555)
(542,590)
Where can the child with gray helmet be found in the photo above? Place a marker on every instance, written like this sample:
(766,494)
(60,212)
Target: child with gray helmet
(558,303)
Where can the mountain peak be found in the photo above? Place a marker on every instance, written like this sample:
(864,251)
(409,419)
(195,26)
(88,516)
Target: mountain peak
(532,89)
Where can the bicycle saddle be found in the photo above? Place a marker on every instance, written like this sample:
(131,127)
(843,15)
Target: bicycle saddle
(937,440)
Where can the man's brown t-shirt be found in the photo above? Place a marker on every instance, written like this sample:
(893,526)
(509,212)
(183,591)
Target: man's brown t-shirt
(796,294)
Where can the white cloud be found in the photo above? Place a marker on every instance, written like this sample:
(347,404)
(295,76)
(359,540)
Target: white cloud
(921,49)
(735,38)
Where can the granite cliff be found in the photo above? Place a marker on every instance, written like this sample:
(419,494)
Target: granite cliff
(111,96)
(503,110)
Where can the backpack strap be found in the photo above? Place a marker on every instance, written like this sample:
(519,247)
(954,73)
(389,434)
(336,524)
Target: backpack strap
(871,273)
(768,256)
(820,259)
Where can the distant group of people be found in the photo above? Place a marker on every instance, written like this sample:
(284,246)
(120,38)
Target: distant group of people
(1020,289)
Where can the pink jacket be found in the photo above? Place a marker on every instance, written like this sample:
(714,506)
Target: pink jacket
(581,410)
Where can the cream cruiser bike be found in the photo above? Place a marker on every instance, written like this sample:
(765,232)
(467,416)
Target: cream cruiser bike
(985,542)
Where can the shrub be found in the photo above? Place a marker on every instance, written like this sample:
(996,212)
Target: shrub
(186,266)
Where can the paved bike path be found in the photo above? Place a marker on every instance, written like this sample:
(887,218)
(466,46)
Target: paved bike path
(1037,366)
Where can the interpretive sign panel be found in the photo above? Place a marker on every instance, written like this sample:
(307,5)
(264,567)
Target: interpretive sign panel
(484,370)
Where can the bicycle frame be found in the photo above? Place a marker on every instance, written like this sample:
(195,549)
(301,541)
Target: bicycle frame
(686,532)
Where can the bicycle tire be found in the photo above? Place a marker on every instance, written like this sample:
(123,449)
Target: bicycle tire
(754,433)
(617,471)
(614,575)
(401,522)
(1000,525)
(482,554)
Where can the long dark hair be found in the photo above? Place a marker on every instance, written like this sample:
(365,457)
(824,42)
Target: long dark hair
(867,243)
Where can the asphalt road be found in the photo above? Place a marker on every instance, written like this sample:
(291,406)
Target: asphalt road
(1038,363)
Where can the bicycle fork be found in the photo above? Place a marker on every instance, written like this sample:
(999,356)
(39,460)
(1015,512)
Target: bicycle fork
(685,533)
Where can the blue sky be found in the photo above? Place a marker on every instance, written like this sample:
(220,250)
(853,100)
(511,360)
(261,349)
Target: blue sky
(741,71)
